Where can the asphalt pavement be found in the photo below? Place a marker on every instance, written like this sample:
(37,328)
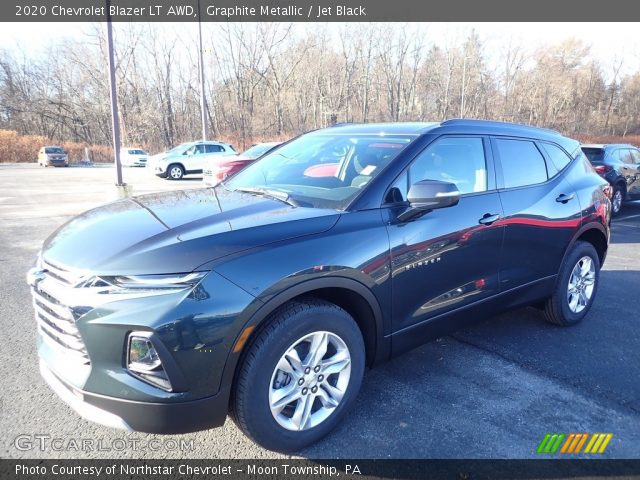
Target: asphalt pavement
(491,391)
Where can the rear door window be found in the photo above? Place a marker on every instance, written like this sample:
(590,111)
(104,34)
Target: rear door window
(522,163)
(214,148)
(626,156)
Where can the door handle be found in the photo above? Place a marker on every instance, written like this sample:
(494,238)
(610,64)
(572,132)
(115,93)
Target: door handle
(564,198)
(489,218)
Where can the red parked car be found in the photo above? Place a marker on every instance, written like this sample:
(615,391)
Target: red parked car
(220,168)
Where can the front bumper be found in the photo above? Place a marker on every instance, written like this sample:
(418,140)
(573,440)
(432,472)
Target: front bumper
(163,418)
(57,163)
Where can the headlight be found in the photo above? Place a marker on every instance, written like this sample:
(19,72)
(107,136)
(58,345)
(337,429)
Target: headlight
(142,285)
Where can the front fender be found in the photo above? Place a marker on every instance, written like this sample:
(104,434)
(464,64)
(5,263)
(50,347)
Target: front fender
(260,311)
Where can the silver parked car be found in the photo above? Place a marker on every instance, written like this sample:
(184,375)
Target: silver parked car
(187,158)
(133,157)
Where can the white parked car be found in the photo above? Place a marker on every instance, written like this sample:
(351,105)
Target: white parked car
(187,158)
(133,157)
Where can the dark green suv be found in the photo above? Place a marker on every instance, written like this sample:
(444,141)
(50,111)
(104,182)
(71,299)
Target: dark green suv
(267,296)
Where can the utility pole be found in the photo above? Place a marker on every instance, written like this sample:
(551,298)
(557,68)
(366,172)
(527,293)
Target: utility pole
(203,98)
(115,120)
(464,72)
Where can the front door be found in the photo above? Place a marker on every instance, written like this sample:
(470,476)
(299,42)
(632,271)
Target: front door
(448,258)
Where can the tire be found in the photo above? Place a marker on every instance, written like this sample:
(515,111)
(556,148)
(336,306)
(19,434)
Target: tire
(617,198)
(298,324)
(566,309)
(175,172)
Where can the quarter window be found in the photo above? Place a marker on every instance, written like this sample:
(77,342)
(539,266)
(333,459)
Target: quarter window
(522,163)
(558,157)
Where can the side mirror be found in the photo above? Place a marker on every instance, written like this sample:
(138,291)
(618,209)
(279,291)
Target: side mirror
(428,195)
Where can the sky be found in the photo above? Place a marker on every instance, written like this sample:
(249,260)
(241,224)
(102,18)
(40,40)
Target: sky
(610,42)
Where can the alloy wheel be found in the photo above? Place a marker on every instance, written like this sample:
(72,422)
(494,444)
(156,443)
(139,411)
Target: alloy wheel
(310,381)
(175,173)
(616,202)
(581,284)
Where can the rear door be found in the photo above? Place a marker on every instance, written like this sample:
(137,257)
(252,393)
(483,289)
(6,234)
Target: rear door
(212,153)
(447,258)
(541,209)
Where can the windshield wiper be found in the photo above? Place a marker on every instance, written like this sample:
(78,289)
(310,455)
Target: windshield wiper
(269,193)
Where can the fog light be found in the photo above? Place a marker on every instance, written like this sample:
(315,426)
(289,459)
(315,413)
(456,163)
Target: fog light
(142,355)
(144,363)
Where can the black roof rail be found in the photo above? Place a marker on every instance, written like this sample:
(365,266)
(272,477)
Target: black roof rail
(494,123)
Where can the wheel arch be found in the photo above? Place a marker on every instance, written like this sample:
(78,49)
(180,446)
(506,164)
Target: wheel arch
(622,184)
(352,296)
(180,164)
(595,234)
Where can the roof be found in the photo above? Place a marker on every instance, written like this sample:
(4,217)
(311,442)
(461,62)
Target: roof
(398,128)
(487,127)
(605,146)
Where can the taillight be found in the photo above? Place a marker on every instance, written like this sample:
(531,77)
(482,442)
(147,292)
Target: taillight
(602,169)
(222,171)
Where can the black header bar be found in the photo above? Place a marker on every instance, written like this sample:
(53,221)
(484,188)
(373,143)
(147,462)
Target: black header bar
(318,10)
(303,469)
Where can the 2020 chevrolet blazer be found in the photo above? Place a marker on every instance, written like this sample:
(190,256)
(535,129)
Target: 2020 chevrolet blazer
(267,296)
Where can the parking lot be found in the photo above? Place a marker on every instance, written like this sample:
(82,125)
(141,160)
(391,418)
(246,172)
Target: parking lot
(492,391)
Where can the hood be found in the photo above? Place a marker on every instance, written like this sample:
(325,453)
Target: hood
(176,232)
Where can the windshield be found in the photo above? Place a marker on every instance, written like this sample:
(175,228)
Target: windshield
(53,150)
(136,152)
(322,170)
(179,148)
(258,150)
(594,154)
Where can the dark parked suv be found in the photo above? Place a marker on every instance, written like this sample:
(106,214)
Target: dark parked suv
(267,296)
(618,164)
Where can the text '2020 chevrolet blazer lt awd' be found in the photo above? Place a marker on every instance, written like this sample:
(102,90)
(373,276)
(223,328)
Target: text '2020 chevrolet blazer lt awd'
(267,296)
